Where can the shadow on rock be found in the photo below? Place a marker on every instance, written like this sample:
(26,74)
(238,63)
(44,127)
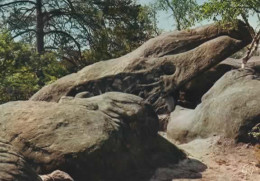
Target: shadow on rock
(186,169)
(231,108)
(107,137)
(162,167)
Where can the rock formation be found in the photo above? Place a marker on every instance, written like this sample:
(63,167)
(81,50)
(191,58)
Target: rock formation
(57,176)
(231,108)
(155,70)
(13,167)
(101,123)
(107,136)
(190,94)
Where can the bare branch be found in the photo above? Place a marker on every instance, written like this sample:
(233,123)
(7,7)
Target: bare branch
(51,47)
(255,9)
(70,61)
(17,2)
(65,34)
(23,32)
(252,49)
(174,12)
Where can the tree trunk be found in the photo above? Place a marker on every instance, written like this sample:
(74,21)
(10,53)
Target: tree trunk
(39,38)
(39,27)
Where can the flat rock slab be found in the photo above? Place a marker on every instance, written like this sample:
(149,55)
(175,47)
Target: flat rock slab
(91,138)
(231,108)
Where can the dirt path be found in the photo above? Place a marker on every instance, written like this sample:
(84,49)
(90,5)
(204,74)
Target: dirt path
(214,159)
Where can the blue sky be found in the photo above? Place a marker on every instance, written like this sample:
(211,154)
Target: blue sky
(166,23)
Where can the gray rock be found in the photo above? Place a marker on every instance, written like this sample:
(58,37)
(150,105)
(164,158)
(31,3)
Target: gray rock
(180,122)
(192,92)
(84,94)
(156,69)
(107,136)
(13,167)
(253,63)
(231,108)
(57,176)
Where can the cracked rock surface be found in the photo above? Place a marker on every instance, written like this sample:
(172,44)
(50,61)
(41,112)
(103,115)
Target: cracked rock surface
(156,70)
(106,136)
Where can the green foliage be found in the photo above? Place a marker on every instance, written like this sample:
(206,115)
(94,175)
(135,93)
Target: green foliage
(126,25)
(188,12)
(184,12)
(18,67)
(230,10)
(76,33)
(103,28)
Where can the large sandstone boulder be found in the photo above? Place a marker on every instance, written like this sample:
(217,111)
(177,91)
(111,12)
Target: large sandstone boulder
(231,108)
(190,94)
(157,69)
(13,167)
(107,136)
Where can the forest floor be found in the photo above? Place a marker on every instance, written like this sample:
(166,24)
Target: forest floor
(214,159)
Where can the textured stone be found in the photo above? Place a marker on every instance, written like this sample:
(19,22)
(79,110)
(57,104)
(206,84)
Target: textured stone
(13,167)
(106,136)
(190,94)
(231,108)
(57,176)
(156,70)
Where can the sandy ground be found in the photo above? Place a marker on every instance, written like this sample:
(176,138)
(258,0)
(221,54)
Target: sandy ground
(214,159)
(211,159)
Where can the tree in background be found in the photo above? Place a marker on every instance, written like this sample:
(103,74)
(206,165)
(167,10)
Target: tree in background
(57,37)
(106,28)
(125,26)
(184,12)
(187,13)
(49,21)
(18,67)
(232,10)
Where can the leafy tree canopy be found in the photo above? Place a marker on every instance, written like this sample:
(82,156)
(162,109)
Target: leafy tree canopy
(230,10)
(187,12)
(108,28)
(18,67)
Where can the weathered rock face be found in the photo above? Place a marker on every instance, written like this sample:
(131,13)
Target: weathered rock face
(105,136)
(253,63)
(180,121)
(230,108)
(190,94)
(57,176)
(13,166)
(155,70)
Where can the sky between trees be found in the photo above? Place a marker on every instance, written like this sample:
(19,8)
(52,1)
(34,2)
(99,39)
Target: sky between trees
(166,22)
